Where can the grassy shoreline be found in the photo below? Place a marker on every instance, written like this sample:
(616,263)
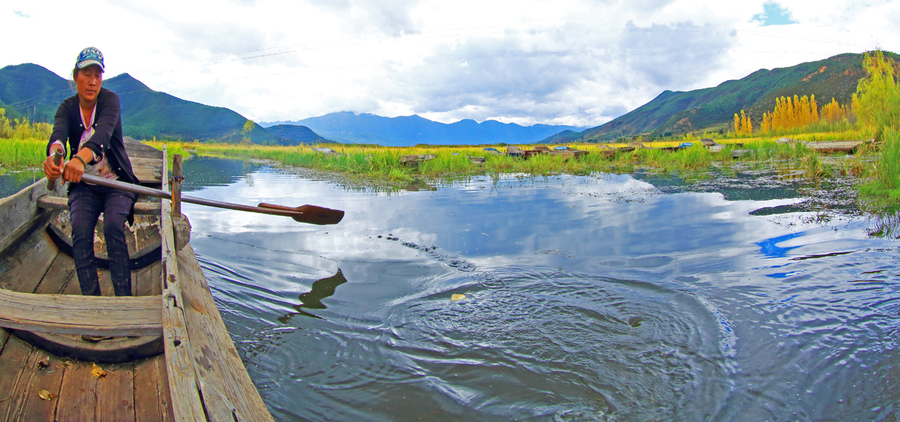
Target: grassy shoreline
(381,166)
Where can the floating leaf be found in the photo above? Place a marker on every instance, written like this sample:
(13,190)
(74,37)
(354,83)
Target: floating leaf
(98,372)
(44,363)
(457,297)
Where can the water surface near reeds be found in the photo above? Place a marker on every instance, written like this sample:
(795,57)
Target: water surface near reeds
(744,296)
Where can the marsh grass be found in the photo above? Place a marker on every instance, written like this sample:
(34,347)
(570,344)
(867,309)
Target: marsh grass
(19,154)
(378,163)
(883,182)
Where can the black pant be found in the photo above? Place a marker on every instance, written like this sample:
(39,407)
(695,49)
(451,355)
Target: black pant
(85,204)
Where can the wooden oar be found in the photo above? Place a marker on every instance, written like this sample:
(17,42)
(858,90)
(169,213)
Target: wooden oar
(311,214)
(57,158)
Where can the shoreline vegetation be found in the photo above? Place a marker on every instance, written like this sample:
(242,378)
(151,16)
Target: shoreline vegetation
(873,115)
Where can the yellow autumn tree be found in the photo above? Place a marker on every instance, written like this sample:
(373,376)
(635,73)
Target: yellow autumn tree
(834,112)
(742,125)
(790,113)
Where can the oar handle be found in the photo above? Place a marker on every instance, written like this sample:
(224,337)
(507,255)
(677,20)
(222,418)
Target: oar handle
(277,207)
(57,158)
(306,214)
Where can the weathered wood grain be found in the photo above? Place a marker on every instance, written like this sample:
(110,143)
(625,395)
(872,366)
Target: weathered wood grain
(151,392)
(186,403)
(77,399)
(228,392)
(25,263)
(13,366)
(76,314)
(45,374)
(115,393)
(19,210)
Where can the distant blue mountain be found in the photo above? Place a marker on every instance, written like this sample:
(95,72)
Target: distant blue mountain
(347,127)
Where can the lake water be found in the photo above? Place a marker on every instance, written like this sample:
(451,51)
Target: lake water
(752,296)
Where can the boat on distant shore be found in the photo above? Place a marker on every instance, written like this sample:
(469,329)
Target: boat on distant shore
(170,356)
(831,147)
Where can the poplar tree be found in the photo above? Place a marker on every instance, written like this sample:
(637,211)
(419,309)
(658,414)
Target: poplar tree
(877,98)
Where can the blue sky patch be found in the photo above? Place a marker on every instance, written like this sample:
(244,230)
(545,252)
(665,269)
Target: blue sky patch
(773,14)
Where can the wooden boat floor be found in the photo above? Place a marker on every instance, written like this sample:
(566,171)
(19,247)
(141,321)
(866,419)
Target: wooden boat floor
(131,391)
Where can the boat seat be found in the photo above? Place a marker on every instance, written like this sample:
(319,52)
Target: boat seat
(76,314)
(60,203)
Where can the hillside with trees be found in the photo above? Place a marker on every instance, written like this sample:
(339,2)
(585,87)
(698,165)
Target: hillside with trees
(713,109)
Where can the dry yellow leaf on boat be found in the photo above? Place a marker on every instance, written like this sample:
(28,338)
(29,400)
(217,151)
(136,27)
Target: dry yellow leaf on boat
(44,394)
(98,372)
(457,297)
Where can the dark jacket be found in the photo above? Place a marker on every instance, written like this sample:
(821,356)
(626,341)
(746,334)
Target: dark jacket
(107,138)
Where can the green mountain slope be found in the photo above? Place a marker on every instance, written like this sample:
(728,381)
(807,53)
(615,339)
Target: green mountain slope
(35,92)
(296,134)
(680,112)
(32,91)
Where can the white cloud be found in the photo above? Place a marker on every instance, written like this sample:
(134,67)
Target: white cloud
(568,61)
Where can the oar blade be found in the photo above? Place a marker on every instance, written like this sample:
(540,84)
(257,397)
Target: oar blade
(310,214)
(318,215)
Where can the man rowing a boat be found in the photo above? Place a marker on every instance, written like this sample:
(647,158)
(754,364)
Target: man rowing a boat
(89,126)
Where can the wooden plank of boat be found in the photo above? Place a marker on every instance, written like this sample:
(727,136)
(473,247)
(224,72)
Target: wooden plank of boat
(183,386)
(75,314)
(206,375)
(19,217)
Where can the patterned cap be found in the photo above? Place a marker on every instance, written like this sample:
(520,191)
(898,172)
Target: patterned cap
(89,56)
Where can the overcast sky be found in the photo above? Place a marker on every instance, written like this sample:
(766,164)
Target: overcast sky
(555,62)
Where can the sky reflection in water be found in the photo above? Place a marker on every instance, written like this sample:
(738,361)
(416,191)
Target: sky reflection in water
(586,298)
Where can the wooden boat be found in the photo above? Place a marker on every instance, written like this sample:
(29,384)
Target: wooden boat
(561,151)
(611,152)
(171,359)
(415,159)
(515,152)
(832,147)
(477,161)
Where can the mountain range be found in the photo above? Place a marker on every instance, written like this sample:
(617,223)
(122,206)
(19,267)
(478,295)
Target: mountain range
(364,128)
(34,92)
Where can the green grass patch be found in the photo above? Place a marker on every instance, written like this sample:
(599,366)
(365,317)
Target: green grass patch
(20,154)
(882,188)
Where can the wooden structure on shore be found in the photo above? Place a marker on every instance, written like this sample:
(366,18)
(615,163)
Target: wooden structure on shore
(562,151)
(172,358)
(415,159)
